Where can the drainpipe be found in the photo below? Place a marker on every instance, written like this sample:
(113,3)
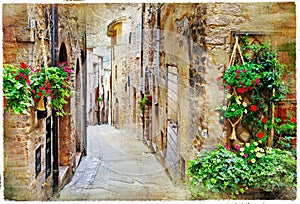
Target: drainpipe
(142,40)
(55,118)
(158,51)
(142,64)
(84,112)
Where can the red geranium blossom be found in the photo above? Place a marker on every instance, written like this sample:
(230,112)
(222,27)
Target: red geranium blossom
(48,85)
(17,77)
(294,120)
(40,94)
(258,81)
(264,120)
(253,108)
(23,65)
(260,135)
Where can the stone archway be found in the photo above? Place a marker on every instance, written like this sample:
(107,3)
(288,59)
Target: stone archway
(78,102)
(64,121)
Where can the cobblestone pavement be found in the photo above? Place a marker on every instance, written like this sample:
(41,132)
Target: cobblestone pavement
(118,166)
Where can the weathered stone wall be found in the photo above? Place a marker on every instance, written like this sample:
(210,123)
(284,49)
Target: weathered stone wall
(22,24)
(197,38)
(126,69)
(23,134)
(71,28)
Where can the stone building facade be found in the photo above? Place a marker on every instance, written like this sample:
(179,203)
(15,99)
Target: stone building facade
(184,48)
(126,59)
(40,155)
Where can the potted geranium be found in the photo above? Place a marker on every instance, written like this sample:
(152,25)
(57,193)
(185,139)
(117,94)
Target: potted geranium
(226,172)
(16,88)
(253,87)
(24,87)
(53,83)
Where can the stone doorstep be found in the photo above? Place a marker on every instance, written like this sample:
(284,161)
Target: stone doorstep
(78,159)
(63,170)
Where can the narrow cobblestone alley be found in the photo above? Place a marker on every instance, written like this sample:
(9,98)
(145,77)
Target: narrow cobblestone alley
(119,167)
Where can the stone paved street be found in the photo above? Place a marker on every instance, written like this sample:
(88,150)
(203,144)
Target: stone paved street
(120,167)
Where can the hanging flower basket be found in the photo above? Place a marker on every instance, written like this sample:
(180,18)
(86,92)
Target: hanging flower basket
(24,86)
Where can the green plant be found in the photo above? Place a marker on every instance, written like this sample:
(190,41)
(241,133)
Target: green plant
(259,83)
(227,172)
(217,174)
(16,88)
(24,86)
(53,82)
(286,133)
(99,99)
(142,103)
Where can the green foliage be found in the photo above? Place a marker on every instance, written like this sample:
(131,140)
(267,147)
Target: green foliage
(226,173)
(53,82)
(286,135)
(142,103)
(24,86)
(260,81)
(16,88)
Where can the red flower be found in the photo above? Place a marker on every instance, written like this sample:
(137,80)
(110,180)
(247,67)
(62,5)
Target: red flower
(258,81)
(264,120)
(28,82)
(35,100)
(238,76)
(294,120)
(238,71)
(294,140)
(17,77)
(23,65)
(240,90)
(260,135)
(228,87)
(49,91)
(48,85)
(219,79)
(42,88)
(67,70)
(33,91)
(40,94)
(244,71)
(221,87)
(253,108)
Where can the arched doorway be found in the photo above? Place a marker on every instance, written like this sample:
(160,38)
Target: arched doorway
(64,123)
(63,54)
(78,102)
